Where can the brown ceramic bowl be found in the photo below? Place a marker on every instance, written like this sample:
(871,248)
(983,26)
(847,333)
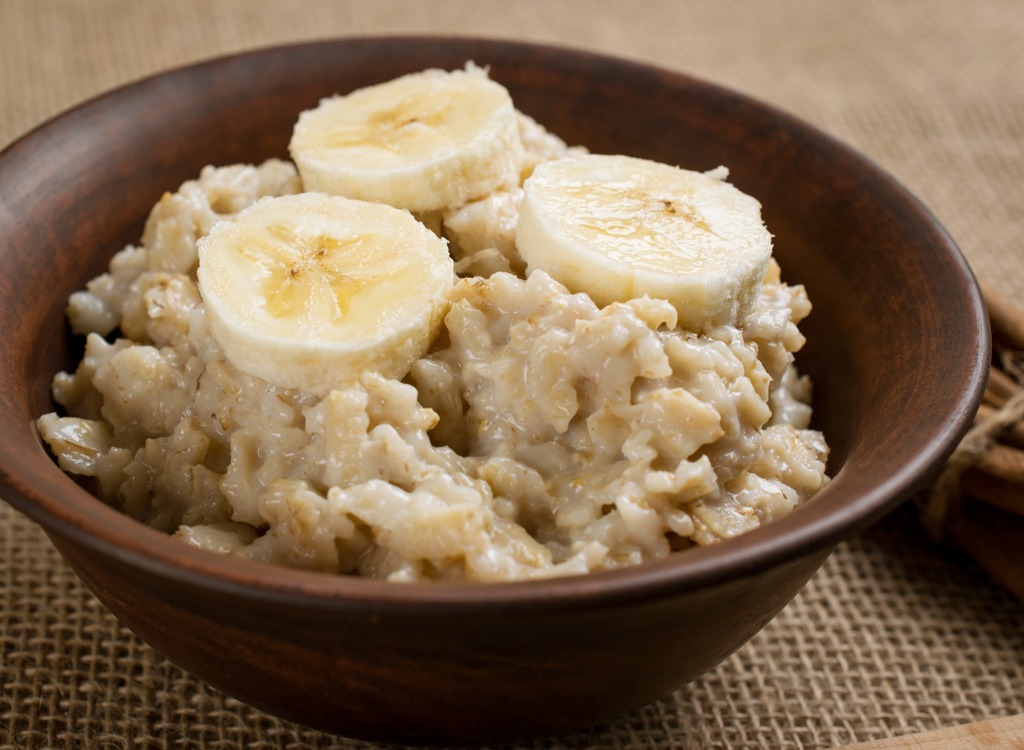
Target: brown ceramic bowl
(897,348)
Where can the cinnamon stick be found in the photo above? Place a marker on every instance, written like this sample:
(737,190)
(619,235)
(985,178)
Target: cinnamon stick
(1005,463)
(994,491)
(1001,384)
(1006,317)
(993,399)
(997,477)
(1013,436)
(994,539)
(988,523)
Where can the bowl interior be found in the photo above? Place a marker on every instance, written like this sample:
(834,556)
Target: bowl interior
(896,343)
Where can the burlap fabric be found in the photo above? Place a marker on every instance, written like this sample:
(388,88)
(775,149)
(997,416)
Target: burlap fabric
(893,636)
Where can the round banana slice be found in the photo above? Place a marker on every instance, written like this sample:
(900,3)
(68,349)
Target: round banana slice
(617,228)
(307,291)
(425,141)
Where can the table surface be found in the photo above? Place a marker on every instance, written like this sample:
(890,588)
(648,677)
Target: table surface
(894,635)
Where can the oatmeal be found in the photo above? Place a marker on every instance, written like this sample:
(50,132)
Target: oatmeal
(538,434)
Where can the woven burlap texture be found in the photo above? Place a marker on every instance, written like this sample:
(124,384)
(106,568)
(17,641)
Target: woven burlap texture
(892,636)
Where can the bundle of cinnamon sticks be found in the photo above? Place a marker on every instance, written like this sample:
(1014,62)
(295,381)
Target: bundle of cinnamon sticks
(977,503)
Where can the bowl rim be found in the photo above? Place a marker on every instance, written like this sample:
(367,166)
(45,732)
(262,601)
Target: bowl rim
(84,518)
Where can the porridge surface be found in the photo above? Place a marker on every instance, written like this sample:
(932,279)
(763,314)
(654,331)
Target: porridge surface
(539,435)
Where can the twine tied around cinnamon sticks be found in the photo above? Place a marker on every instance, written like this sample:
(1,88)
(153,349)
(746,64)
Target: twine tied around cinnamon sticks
(977,501)
(945,497)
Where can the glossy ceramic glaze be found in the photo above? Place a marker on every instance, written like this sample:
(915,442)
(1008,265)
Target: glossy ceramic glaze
(897,350)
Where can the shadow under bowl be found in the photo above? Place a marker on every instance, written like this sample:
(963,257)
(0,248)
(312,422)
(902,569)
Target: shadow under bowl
(897,349)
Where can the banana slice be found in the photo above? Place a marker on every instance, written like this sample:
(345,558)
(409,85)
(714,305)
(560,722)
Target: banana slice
(425,141)
(617,228)
(308,291)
